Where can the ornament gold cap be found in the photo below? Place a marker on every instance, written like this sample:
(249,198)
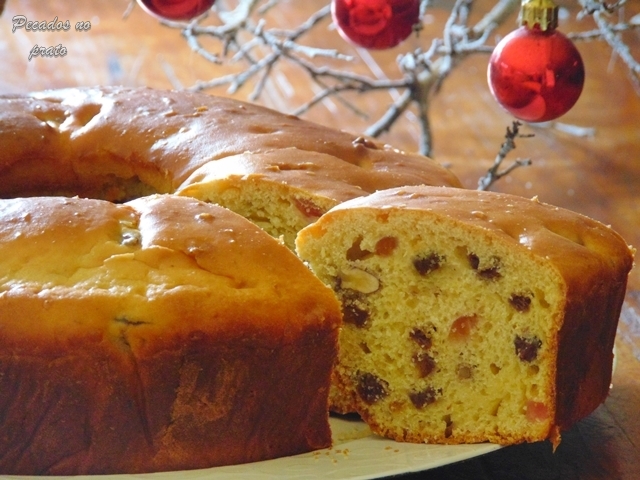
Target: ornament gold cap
(543,13)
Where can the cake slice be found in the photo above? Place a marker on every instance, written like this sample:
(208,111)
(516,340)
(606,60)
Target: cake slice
(469,316)
(160,334)
(283,190)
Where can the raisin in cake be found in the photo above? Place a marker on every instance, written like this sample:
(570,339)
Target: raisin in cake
(469,316)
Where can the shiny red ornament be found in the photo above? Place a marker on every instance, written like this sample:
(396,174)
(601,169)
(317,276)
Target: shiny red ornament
(176,9)
(536,75)
(375,24)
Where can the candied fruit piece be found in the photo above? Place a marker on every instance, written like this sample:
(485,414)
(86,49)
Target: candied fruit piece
(522,303)
(426,264)
(424,363)
(527,347)
(308,208)
(371,388)
(424,397)
(462,326)
(382,217)
(464,371)
(385,246)
(536,411)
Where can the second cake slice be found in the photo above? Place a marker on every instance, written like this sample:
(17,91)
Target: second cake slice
(469,316)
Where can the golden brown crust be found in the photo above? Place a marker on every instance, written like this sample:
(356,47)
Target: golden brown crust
(82,140)
(99,302)
(550,232)
(220,402)
(321,174)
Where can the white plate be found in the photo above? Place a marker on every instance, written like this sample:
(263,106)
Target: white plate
(356,455)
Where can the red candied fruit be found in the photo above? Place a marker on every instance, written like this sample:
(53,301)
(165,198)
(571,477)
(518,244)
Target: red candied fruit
(536,411)
(386,245)
(308,208)
(461,328)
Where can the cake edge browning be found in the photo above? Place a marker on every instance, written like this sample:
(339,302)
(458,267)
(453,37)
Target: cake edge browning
(105,414)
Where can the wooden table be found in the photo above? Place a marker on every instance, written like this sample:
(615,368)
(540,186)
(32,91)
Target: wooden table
(597,175)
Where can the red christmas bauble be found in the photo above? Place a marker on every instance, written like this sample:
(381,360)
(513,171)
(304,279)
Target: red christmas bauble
(536,75)
(375,24)
(176,9)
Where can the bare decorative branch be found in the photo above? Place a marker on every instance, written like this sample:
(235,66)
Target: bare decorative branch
(610,33)
(256,51)
(494,173)
(421,72)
